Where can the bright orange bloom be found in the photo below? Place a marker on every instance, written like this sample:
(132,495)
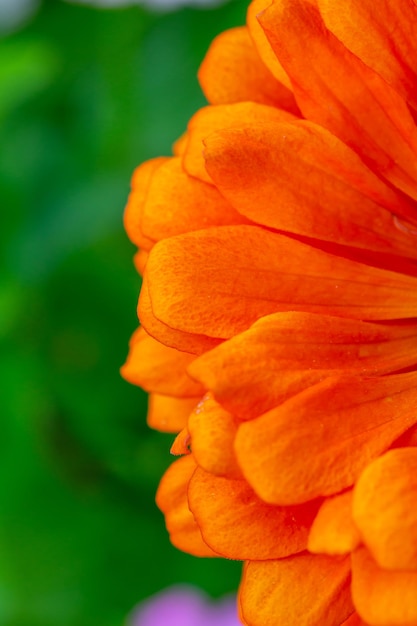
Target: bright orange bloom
(279,308)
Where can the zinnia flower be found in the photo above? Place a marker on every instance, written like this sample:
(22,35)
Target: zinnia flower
(278,312)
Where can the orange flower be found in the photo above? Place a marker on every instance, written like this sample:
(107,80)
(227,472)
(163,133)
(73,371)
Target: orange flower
(279,307)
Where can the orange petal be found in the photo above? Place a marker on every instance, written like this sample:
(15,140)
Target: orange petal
(320,187)
(354,620)
(333,531)
(320,441)
(213,431)
(342,94)
(381,597)
(409,438)
(139,261)
(302,590)
(177,203)
(157,368)
(262,44)
(171,498)
(237,524)
(232,71)
(181,444)
(382,35)
(283,353)
(212,118)
(385,511)
(179,146)
(133,212)
(220,281)
(169,336)
(168,414)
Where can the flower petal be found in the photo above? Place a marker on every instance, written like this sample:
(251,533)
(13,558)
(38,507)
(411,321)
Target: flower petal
(232,276)
(169,414)
(238,525)
(184,341)
(354,620)
(180,144)
(333,531)
(177,203)
(140,258)
(381,597)
(157,368)
(232,71)
(213,431)
(382,34)
(302,590)
(409,438)
(212,118)
(320,441)
(171,498)
(359,107)
(299,178)
(385,509)
(181,444)
(133,211)
(283,353)
(262,44)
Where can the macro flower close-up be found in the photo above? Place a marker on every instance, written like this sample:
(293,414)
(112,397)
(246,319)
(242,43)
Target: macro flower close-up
(278,308)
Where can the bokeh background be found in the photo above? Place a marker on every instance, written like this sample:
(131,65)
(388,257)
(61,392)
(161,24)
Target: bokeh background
(86,93)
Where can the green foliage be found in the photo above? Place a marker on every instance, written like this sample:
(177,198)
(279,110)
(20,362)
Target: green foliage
(85,95)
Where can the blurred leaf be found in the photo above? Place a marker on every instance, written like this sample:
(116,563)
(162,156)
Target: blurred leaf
(26,68)
(77,219)
(85,95)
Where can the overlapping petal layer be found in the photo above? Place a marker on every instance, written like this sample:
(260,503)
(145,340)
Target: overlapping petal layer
(256,525)
(284,353)
(386,27)
(169,414)
(320,441)
(354,620)
(385,511)
(342,94)
(305,590)
(176,203)
(172,500)
(132,217)
(159,369)
(382,597)
(279,312)
(213,432)
(262,44)
(228,286)
(270,174)
(333,530)
(210,119)
(232,71)
(194,343)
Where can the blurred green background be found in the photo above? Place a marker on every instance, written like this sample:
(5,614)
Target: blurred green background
(85,95)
